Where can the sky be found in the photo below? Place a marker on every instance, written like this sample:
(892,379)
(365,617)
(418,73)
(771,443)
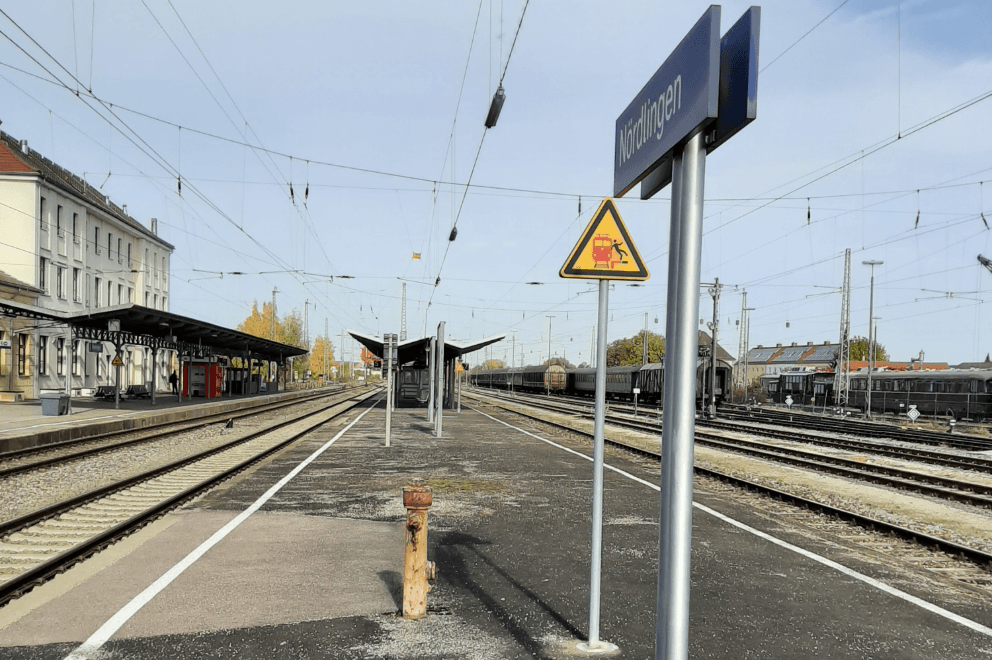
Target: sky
(374,114)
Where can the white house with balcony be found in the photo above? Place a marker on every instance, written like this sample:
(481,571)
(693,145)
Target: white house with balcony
(81,252)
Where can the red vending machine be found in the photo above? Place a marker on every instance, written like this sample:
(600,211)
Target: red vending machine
(215,380)
(204,379)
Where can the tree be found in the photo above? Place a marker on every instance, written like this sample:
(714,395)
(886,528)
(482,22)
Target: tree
(628,351)
(562,361)
(288,330)
(322,347)
(860,350)
(493,364)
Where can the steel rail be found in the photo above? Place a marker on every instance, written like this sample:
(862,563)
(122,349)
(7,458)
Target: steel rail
(8,527)
(260,406)
(978,557)
(36,575)
(195,424)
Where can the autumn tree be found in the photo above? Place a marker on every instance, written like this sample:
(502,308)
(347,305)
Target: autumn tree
(322,348)
(860,350)
(628,351)
(557,360)
(288,330)
(492,364)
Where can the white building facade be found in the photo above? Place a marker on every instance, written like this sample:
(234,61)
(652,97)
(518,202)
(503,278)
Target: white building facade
(82,252)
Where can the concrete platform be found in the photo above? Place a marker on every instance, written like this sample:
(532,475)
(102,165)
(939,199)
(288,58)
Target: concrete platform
(22,424)
(314,573)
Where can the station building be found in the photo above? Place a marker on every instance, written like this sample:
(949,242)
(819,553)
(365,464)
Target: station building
(67,248)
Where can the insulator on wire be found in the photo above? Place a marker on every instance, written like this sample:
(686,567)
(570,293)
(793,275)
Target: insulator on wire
(292,198)
(306,192)
(809,214)
(179,185)
(917,224)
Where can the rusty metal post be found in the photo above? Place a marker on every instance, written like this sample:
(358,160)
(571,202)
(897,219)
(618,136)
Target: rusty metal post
(416,569)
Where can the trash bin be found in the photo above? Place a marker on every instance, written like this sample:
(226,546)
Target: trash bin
(54,404)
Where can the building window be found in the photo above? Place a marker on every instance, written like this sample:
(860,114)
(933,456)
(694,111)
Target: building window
(130,294)
(163,304)
(60,282)
(165,274)
(155,303)
(110,249)
(42,355)
(96,292)
(155,261)
(75,228)
(22,354)
(147,264)
(128,255)
(60,356)
(42,275)
(120,294)
(75,357)
(146,299)
(58,221)
(41,217)
(120,257)
(96,240)
(76,291)
(110,294)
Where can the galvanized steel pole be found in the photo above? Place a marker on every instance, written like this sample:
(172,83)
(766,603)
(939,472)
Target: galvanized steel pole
(440,381)
(871,335)
(388,343)
(595,644)
(431,353)
(674,555)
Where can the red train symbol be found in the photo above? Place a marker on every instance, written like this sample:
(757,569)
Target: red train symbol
(602,250)
(607,253)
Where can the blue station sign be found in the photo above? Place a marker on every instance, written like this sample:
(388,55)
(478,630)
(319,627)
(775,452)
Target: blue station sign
(738,105)
(681,97)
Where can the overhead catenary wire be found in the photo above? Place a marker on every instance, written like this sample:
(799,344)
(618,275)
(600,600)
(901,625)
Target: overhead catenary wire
(144,147)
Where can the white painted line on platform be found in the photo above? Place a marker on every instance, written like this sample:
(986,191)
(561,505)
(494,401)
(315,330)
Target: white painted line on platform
(91,647)
(898,593)
(78,419)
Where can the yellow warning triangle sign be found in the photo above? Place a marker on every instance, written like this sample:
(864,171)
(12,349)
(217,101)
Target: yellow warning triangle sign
(117,362)
(605,251)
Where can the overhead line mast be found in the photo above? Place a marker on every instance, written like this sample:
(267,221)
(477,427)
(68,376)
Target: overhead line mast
(842,381)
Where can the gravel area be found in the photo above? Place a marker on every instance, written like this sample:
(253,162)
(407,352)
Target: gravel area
(22,493)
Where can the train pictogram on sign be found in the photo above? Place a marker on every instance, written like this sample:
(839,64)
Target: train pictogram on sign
(605,250)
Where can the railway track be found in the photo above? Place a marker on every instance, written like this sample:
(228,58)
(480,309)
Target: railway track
(859,428)
(936,486)
(40,544)
(980,559)
(31,458)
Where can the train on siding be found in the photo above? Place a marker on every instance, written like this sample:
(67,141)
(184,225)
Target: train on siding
(953,393)
(620,381)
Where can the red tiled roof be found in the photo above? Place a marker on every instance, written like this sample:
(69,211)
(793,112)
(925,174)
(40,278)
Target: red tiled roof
(9,162)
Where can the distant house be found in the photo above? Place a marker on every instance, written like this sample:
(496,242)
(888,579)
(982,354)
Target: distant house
(975,365)
(771,361)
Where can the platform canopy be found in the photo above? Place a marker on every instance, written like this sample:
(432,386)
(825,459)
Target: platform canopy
(152,327)
(412,350)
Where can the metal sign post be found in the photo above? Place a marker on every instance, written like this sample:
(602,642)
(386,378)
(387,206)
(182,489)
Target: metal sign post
(702,95)
(605,251)
(431,351)
(439,368)
(390,346)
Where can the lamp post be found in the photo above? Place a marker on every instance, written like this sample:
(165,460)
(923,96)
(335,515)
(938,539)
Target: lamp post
(871,334)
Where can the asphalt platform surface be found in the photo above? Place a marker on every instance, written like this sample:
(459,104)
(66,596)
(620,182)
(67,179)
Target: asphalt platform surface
(316,572)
